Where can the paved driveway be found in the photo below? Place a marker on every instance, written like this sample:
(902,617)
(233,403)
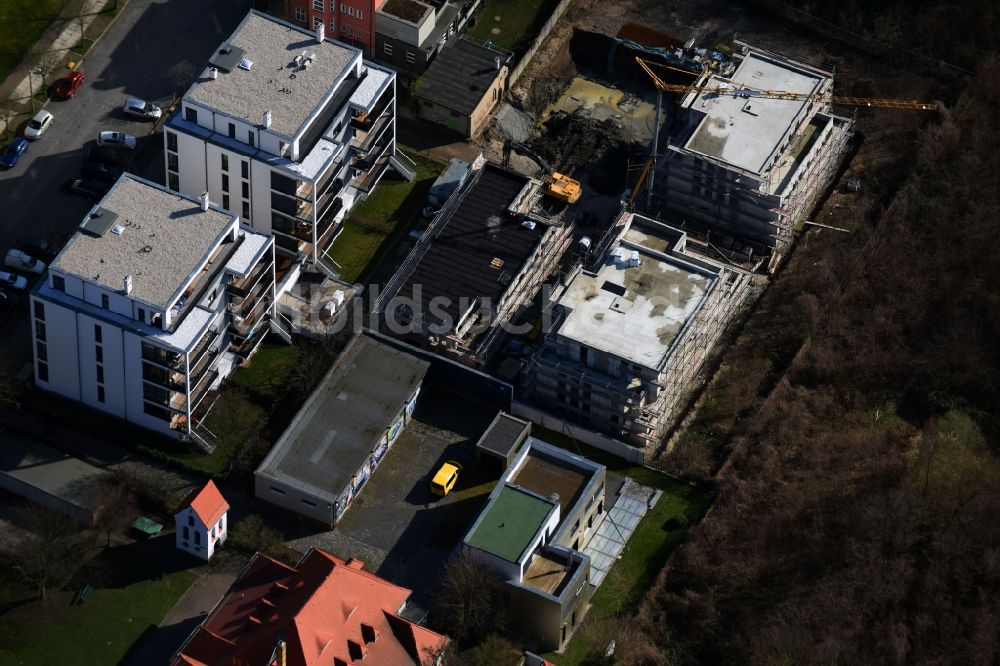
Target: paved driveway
(399,529)
(151,51)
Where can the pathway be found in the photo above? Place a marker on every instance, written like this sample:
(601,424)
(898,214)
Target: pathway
(617,527)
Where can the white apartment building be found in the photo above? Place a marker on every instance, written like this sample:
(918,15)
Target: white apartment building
(150,305)
(288,130)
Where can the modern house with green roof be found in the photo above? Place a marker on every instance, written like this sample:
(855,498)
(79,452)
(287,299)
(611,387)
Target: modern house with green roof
(537,518)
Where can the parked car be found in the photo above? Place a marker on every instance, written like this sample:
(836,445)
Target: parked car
(86,187)
(67,86)
(37,125)
(13,152)
(116,138)
(111,155)
(23,262)
(141,109)
(99,171)
(445,478)
(11,281)
(38,247)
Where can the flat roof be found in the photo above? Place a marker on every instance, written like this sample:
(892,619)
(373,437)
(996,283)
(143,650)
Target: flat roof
(55,473)
(341,422)
(548,574)
(164,238)
(545,476)
(509,523)
(479,250)
(633,312)
(274,83)
(746,132)
(504,433)
(460,75)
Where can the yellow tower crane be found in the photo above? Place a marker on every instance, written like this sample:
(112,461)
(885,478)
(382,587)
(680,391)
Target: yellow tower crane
(724,89)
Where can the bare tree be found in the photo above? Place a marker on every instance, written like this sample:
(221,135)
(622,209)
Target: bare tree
(48,556)
(469,605)
(117,507)
(494,650)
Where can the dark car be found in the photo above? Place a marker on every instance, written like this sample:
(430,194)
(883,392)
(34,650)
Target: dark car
(37,247)
(109,156)
(99,171)
(67,86)
(86,187)
(13,152)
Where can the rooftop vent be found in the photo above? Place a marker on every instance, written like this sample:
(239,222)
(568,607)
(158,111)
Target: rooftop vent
(554,497)
(118,230)
(496,262)
(213,73)
(127,286)
(204,201)
(246,64)
(320,32)
(267,119)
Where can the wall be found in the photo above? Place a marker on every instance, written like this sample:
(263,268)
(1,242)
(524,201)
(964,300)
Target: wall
(630,453)
(414,34)
(522,64)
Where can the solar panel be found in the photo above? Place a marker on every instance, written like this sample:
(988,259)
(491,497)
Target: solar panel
(99,222)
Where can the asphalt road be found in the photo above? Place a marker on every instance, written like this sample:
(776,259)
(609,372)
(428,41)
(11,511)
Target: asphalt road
(152,51)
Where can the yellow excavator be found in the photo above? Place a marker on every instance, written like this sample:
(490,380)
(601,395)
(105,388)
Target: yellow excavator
(557,185)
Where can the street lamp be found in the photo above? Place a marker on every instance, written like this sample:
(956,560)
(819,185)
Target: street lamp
(31,85)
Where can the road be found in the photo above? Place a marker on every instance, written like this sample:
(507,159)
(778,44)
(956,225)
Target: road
(152,51)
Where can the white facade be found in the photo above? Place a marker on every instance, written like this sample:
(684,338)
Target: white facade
(287,168)
(195,537)
(149,351)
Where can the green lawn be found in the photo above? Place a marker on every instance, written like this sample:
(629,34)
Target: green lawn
(662,529)
(519,24)
(22,22)
(100,631)
(269,369)
(388,212)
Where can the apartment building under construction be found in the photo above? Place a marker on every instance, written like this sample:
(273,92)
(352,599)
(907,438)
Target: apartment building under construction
(630,329)
(741,171)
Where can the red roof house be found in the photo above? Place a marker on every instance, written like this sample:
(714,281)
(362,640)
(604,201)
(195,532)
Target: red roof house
(323,611)
(201,522)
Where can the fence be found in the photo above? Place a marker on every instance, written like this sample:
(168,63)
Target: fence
(522,64)
(632,454)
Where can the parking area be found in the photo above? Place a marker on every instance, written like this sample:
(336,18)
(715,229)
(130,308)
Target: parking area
(396,525)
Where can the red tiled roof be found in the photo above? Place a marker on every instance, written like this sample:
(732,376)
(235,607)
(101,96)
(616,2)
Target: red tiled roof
(324,609)
(208,504)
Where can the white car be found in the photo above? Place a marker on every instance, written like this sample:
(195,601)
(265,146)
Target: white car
(12,281)
(141,109)
(20,261)
(116,139)
(37,125)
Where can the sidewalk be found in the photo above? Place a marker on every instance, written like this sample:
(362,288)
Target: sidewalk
(53,50)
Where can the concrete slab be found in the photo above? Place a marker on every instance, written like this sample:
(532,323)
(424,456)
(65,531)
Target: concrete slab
(618,525)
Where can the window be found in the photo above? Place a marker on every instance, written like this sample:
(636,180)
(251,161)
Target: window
(246,210)
(308,503)
(100,393)
(172,141)
(251,138)
(158,412)
(99,354)
(187,533)
(225,201)
(100,374)
(98,333)
(277,491)
(358,13)
(319,5)
(191,520)
(333,25)
(317,22)
(172,162)
(245,167)
(40,331)
(39,311)
(282,148)
(343,8)
(344,29)
(411,57)
(43,371)
(191,115)
(300,15)
(41,351)
(225,160)
(246,190)
(173,182)
(142,315)
(197,538)
(387,48)
(225,182)
(105,301)
(58,283)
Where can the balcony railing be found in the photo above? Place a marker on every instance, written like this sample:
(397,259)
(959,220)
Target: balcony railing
(242,306)
(240,286)
(299,229)
(155,374)
(163,358)
(197,357)
(244,325)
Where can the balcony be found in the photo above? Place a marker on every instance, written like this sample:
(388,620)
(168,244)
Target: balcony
(365,121)
(173,381)
(242,286)
(192,295)
(163,358)
(298,229)
(367,180)
(242,306)
(243,326)
(202,389)
(243,347)
(365,139)
(201,353)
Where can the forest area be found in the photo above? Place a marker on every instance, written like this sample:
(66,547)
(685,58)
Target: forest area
(853,429)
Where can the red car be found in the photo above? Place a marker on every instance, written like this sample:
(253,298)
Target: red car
(67,86)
